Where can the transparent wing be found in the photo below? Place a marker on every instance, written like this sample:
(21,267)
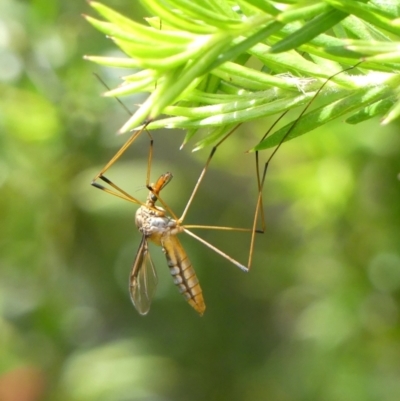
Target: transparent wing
(143,280)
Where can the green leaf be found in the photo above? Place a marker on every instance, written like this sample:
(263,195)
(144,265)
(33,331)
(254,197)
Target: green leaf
(309,31)
(367,12)
(214,63)
(375,109)
(392,114)
(325,114)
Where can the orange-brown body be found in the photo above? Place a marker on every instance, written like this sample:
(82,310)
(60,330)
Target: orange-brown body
(162,230)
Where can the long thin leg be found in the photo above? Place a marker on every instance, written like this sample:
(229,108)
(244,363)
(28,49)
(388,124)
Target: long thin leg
(253,230)
(260,183)
(220,228)
(215,249)
(259,210)
(119,192)
(125,145)
(203,172)
(259,206)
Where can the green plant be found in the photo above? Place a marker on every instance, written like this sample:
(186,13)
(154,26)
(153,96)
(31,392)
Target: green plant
(213,64)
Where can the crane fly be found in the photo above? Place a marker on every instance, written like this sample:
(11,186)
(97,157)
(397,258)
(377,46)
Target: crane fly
(161,226)
(156,226)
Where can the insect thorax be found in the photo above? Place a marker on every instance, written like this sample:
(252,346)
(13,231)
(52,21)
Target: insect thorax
(154,224)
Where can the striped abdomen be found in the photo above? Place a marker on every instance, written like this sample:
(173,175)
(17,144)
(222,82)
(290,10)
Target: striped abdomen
(183,273)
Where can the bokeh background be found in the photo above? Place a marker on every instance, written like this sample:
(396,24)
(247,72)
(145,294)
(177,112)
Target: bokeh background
(317,318)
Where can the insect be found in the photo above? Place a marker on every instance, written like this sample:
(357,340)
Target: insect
(161,226)
(161,229)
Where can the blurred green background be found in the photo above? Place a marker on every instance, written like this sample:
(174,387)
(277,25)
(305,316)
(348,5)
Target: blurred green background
(317,318)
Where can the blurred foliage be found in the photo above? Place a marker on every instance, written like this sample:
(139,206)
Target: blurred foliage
(317,318)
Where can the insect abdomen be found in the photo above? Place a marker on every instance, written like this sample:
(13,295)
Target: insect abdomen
(183,273)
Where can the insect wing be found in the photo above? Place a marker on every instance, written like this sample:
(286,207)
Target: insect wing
(143,280)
